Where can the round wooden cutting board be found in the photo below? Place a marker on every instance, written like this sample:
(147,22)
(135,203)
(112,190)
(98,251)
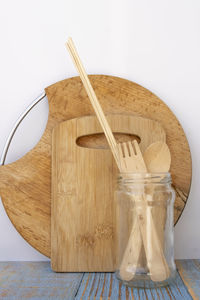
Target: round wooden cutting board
(25,185)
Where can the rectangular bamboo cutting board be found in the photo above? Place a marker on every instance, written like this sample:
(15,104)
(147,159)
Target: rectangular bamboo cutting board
(83,209)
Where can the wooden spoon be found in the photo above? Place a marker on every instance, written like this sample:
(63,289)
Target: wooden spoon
(157,158)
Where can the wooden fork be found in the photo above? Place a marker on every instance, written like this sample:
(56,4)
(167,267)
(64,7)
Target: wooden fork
(143,230)
(129,163)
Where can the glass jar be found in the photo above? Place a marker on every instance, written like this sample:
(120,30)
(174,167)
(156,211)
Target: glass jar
(145,255)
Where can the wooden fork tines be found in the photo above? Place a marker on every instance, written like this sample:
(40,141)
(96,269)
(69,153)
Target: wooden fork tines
(130,157)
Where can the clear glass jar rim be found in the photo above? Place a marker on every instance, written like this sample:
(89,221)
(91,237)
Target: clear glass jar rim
(164,177)
(145,174)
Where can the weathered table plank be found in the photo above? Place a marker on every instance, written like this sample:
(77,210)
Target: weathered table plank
(113,290)
(190,273)
(35,280)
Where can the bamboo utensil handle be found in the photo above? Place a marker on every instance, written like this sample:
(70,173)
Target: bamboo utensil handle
(157,264)
(131,257)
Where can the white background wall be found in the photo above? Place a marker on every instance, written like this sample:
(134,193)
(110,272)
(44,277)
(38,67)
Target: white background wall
(154,43)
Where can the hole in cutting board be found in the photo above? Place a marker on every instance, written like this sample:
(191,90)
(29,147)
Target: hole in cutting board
(98,140)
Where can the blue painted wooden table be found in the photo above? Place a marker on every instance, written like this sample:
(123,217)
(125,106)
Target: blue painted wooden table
(35,280)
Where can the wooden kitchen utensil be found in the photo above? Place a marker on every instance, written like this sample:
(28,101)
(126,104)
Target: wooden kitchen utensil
(132,161)
(83,210)
(25,185)
(93,99)
(157,158)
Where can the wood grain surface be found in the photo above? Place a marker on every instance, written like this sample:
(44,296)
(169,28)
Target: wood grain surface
(83,214)
(35,280)
(25,185)
(189,271)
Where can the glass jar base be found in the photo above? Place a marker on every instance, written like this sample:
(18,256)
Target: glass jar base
(144,281)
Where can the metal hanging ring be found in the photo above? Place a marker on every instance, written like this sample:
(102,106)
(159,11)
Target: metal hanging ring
(16,125)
